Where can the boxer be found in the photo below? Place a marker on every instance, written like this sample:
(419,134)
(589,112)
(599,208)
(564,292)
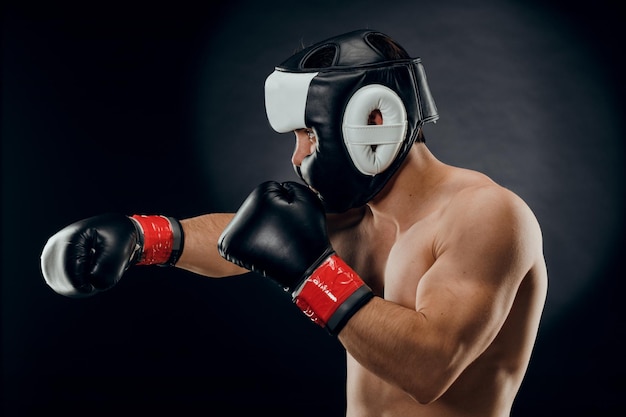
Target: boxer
(431,276)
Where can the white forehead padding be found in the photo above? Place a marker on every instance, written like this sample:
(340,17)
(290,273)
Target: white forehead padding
(374,147)
(285,99)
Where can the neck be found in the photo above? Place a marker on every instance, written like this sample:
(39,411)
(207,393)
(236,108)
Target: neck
(410,187)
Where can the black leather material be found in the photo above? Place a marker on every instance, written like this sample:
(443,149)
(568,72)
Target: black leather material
(279,232)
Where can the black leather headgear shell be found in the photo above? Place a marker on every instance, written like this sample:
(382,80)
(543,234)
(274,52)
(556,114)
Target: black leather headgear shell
(353,160)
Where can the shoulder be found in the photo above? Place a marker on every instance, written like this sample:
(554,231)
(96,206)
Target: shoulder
(482,215)
(492,203)
(474,196)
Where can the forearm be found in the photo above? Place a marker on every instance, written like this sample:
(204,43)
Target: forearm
(200,254)
(393,342)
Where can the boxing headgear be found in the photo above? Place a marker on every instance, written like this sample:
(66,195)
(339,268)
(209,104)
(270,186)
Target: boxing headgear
(353,160)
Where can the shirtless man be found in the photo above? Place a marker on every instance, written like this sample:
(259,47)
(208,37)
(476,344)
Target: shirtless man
(431,276)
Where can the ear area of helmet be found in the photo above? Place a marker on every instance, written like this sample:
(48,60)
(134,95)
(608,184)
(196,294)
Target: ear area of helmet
(372,148)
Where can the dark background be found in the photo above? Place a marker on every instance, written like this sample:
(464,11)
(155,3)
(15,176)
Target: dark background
(154,108)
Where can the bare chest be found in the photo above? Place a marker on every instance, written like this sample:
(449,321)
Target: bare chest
(390,262)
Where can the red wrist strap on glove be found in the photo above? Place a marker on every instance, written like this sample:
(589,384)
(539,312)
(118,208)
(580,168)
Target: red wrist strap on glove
(162,240)
(332,294)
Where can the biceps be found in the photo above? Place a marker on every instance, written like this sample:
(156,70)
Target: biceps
(465,307)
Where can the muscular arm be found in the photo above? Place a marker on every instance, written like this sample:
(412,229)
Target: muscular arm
(489,243)
(200,253)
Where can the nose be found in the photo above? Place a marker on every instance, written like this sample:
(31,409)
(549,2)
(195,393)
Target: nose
(305,146)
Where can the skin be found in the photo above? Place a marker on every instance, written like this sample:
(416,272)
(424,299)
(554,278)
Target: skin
(457,266)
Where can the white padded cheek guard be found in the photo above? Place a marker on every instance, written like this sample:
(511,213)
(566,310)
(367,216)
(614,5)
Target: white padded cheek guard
(374,147)
(285,99)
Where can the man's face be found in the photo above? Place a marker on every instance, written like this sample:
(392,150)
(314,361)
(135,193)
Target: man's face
(306,143)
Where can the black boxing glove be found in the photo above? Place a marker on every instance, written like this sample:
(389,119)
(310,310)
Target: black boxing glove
(280,232)
(91,255)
